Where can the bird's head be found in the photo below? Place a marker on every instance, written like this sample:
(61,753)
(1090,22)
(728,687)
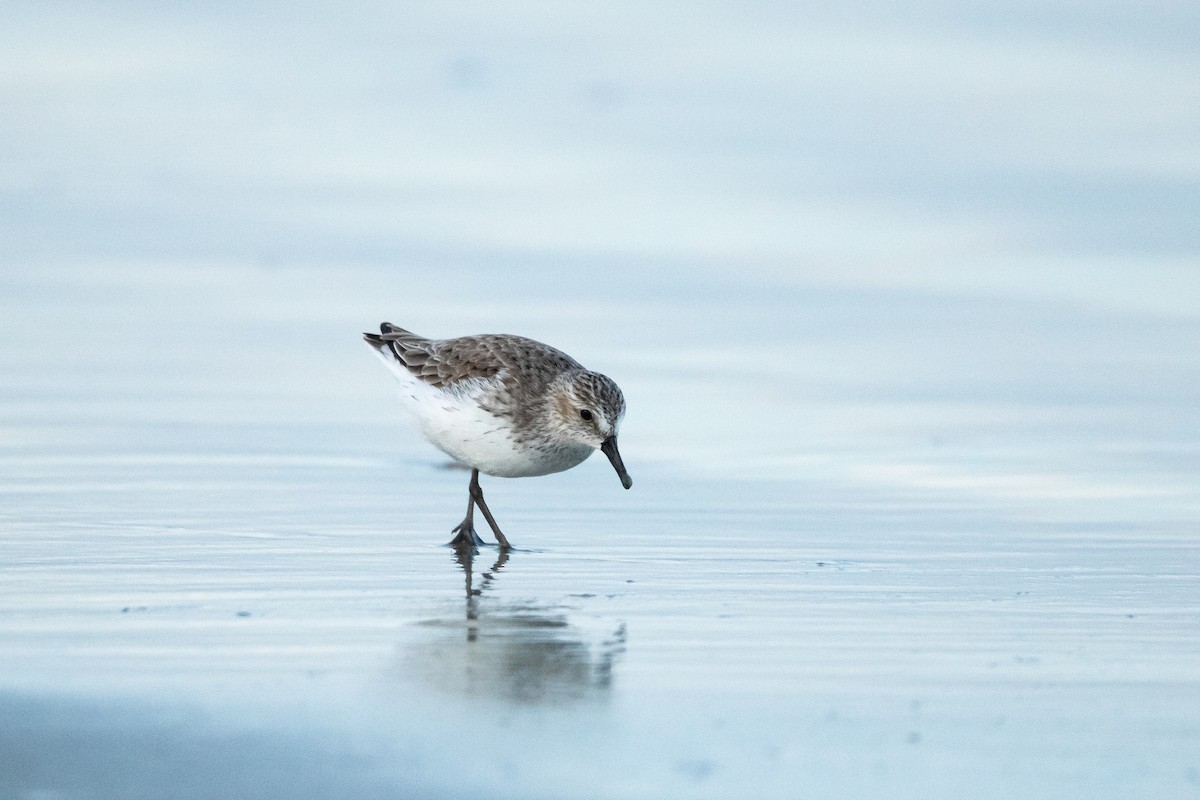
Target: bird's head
(588,408)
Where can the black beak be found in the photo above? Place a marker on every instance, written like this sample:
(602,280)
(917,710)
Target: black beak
(609,448)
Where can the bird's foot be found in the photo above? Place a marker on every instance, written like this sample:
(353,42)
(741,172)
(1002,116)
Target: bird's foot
(465,534)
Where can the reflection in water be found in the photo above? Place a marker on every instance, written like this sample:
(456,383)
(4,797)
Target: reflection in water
(523,654)
(464,555)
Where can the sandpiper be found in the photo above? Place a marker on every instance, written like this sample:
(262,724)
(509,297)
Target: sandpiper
(502,405)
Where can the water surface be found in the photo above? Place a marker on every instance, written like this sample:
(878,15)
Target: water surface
(220,537)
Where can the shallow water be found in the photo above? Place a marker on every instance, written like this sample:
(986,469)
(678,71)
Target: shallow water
(224,561)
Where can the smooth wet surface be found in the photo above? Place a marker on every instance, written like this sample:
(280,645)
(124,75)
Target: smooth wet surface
(224,562)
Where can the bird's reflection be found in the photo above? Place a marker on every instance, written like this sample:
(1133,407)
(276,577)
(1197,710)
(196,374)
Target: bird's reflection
(518,653)
(464,555)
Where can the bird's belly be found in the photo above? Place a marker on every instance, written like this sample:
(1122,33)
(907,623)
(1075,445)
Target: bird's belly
(467,433)
(516,462)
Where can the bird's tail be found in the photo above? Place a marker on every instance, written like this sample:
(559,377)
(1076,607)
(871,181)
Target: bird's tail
(388,333)
(403,352)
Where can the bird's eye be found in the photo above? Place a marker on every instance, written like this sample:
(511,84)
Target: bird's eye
(586,414)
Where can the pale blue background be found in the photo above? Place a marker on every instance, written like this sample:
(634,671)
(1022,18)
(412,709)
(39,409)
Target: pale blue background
(913,145)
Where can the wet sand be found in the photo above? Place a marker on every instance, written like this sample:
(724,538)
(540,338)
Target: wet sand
(224,561)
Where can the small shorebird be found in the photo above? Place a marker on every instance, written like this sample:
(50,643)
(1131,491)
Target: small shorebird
(502,405)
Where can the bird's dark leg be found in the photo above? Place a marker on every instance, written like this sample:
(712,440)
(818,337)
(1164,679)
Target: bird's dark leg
(477,496)
(464,534)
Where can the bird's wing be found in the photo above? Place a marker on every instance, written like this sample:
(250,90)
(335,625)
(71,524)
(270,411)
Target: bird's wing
(446,362)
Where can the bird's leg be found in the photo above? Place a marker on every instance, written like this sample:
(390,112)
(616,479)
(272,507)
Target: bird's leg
(477,496)
(465,533)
